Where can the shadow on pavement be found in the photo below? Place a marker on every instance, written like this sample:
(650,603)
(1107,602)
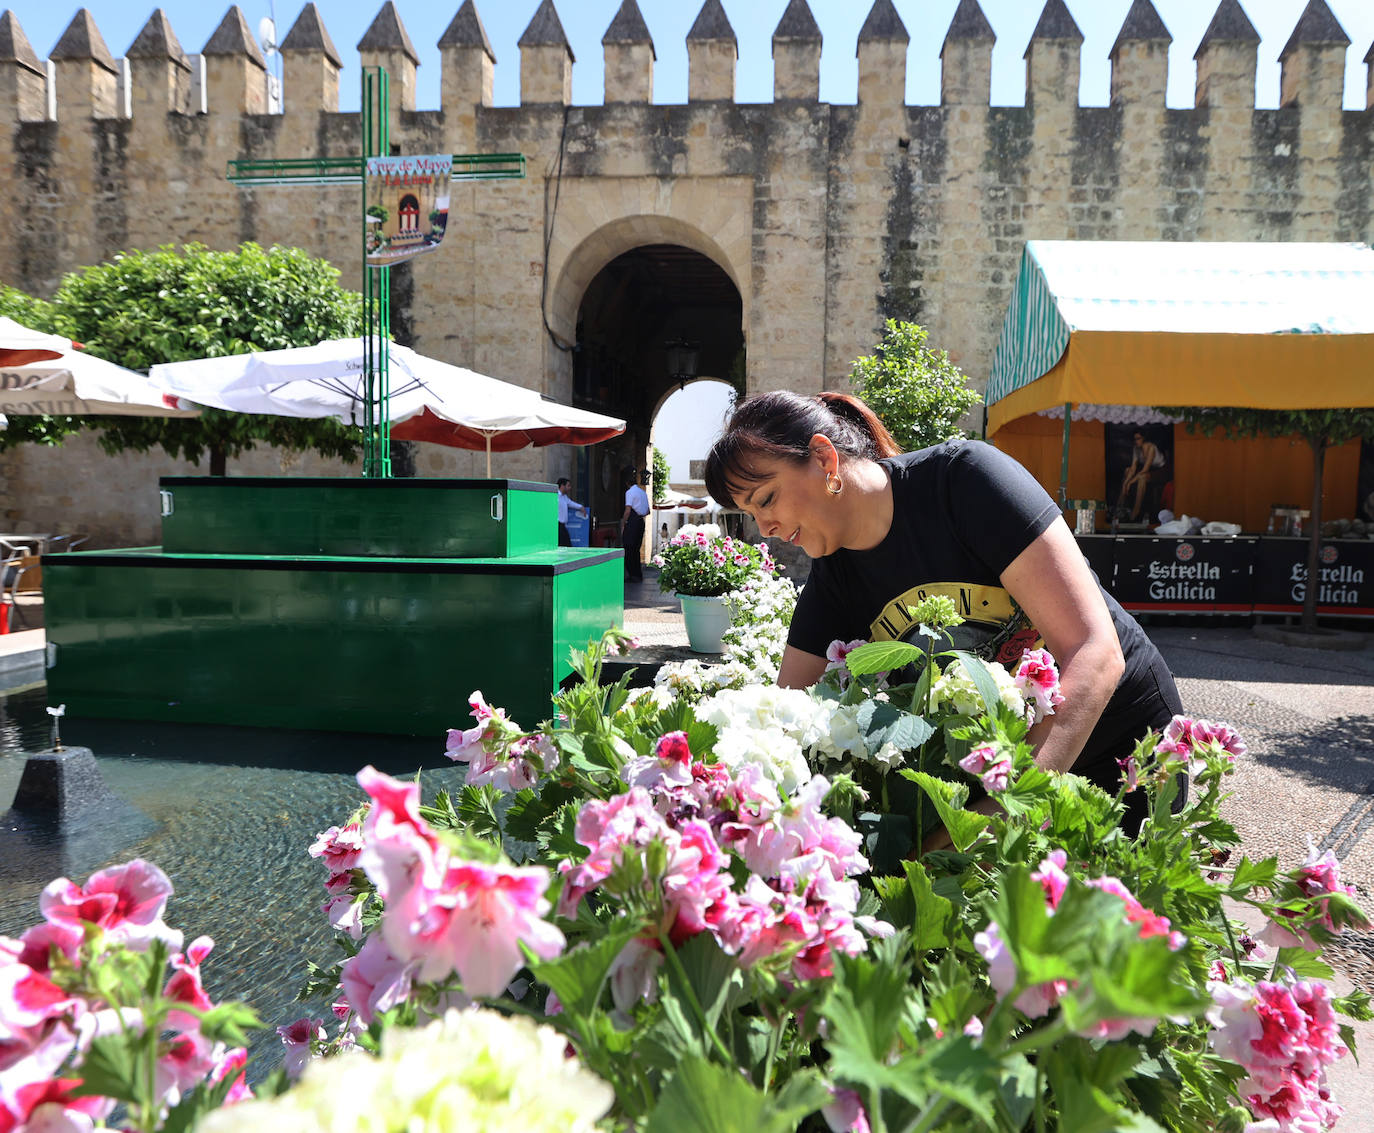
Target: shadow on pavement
(1338,752)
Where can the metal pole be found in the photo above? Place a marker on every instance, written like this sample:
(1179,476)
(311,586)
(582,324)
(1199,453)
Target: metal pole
(376,293)
(1064,459)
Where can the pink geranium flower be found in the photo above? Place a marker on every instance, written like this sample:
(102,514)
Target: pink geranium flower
(300,1038)
(1038,679)
(491,910)
(339,847)
(50,1106)
(374,981)
(185,985)
(990,765)
(837,651)
(125,901)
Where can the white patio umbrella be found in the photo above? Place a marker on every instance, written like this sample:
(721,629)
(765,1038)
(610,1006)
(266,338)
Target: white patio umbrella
(64,382)
(429,400)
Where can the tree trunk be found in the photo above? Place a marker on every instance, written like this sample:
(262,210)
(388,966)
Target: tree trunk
(218,461)
(1314,539)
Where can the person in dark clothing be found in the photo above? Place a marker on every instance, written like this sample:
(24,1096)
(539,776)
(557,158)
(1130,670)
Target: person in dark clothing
(886,530)
(632,524)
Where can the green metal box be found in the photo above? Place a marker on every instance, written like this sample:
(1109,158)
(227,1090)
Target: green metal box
(408,518)
(386,645)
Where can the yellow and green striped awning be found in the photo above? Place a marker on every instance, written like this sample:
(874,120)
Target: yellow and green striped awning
(1266,325)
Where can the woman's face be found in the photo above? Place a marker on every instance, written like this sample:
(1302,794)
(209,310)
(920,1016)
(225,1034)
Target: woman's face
(790,502)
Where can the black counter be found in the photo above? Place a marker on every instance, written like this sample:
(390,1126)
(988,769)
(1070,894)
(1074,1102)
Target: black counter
(1236,575)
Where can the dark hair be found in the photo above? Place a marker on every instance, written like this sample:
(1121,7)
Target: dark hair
(629,475)
(780,425)
(563,480)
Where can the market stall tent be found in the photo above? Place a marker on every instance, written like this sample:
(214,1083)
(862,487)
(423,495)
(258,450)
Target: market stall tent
(1096,325)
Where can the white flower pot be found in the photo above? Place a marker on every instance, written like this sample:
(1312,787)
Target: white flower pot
(707,619)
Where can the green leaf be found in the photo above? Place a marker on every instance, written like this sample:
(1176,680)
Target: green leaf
(977,670)
(710,974)
(704,1098)
(887,724)
(881,657)
(579,975)
(963,826)
(1253,875)
(116,1067)
(933,922)
(866,1005)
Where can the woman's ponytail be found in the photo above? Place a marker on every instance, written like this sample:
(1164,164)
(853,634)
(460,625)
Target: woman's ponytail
(846,407)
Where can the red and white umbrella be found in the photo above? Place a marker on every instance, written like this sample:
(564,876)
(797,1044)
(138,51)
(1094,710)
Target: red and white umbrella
(48,374)
(536,422)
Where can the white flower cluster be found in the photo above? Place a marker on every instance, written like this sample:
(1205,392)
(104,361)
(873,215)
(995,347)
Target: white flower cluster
(760,612)
(474,1069)
(955,692)
(779,728)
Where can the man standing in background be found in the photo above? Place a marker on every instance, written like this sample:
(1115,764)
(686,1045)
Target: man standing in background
(566,502)
(632,524)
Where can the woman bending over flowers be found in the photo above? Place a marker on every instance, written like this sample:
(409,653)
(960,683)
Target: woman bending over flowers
(886,530)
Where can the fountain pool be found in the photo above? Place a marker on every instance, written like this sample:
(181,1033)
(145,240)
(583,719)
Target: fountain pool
(233,812)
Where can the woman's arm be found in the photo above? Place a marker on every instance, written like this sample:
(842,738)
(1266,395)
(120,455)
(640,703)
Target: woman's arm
(799,669)
(1051,581)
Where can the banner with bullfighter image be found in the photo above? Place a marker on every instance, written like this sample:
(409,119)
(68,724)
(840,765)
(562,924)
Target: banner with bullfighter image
(407,206)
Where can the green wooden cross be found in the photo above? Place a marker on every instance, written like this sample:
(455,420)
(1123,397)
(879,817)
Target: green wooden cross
(352,171)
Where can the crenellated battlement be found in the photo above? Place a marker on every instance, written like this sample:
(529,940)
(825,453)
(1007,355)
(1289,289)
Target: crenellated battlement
(87,74)
(857,211)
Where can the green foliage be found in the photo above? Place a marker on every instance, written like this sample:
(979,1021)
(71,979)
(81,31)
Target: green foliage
(169,306)
(660,475)
(916,391)
(1323,428)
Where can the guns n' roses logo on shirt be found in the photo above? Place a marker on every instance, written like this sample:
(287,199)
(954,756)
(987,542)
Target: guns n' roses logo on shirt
(995,628)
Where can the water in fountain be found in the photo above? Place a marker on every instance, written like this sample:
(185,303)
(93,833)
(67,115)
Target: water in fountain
(232,812)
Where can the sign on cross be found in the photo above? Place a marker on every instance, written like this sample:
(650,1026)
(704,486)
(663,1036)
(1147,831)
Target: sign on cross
(352,171)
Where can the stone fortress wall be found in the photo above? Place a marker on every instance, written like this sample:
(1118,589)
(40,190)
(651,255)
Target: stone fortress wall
(828,218)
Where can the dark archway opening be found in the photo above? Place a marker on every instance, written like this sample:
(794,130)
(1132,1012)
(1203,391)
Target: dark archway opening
(632,310)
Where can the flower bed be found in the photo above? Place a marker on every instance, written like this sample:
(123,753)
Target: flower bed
(703,906)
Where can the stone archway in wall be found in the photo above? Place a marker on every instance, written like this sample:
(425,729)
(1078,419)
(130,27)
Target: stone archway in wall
(627,293)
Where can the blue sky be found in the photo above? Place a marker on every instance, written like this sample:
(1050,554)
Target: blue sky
(586,20)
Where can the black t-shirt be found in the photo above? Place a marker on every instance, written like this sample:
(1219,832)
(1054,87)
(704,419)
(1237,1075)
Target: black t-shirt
(962,511)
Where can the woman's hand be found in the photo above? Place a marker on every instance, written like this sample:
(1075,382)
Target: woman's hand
(1051,581)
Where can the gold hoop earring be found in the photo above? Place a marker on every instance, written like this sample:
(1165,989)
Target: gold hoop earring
(833,484)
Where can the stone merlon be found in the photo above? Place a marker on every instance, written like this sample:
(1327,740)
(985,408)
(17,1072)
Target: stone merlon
(387,33)
(629,29)
(1142,25)
(546,30)
(15,46)
(883,25)
(82,40)
(1229,25)
(1318,27)
(466,30)
(158,41)
(308,33)
(232,37)
(712,24)
(1055,23)
(797,24)
(968,23)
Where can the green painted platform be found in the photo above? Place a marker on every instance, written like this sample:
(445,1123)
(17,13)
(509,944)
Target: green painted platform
(381,642)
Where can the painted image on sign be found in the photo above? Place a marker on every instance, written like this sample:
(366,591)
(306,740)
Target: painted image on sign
(407,206)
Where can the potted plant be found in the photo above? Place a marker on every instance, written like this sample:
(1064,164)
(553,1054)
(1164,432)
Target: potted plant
(702,566)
